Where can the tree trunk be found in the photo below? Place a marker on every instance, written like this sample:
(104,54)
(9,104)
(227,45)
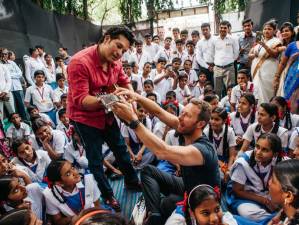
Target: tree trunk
(85,10)
(151,14)
(69,7)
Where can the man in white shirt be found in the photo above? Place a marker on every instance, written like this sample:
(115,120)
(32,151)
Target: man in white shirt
(176,35)
(204,54)
(190,54)
(150,48)
(225,50)
(139,56)
(5,86)
(179,52)
(128,54)
(165,52)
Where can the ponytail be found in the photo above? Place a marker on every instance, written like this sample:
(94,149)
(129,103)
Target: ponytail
(225,142)
(281,101)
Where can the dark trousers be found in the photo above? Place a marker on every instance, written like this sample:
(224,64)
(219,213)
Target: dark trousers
(93,139)
(19,103)
(154,182)
(208,73)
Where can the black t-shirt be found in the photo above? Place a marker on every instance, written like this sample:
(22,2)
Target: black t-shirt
(208,173)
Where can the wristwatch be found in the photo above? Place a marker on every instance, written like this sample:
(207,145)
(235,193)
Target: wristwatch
(134,124)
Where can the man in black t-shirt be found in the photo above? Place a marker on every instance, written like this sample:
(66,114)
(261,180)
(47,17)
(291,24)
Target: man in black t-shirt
(196,155)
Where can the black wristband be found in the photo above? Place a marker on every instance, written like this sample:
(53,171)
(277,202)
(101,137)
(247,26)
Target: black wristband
(134,124)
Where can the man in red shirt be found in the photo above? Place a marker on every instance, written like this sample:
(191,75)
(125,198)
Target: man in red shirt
(90,73)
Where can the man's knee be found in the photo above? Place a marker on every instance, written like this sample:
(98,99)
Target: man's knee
(146,171)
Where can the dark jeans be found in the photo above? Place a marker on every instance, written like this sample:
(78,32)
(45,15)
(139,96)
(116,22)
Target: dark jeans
(154,182)
(19,102)
(93,139)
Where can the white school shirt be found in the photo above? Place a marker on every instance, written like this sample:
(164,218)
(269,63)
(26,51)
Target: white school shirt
(35,197)
(159,129)
(15,75)
(236,123)
(92,194)
(5,84)
(180,55)
(163,86)
(156,93)
(192,58)
(294,135)
(50,73)
(141,79)
(73,155)
(192,76)
(204,53)
(171,139)
(47,119)
(165,53)
(197,91)
(127,55)
(181,93)
(231,138)
(237,92)
(59,91)
(42,161)
(32,65)
(294,120)
(140,59)
(251,134)
(127,132)
(58,142)
(14,133)
(225,50)
(154,74)
(151,50)
(43,97)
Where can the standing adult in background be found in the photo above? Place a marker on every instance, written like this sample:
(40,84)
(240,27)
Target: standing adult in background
(246,42)
(204,54)
(33,64)
(225,50)
(91,72)
(16,86)
(265,62)
(41,53)
(5,86)
(62,51)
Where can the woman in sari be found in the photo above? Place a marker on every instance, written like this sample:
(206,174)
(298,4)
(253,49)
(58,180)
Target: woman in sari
(265,61)
(286,78)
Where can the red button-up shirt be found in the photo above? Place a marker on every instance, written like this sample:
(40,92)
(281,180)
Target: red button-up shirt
(86,77)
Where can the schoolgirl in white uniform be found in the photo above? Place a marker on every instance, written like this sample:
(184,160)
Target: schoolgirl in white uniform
(268,122)
(68,194)
(36,161)
(248,192)
(52,141)
(223,138)
(16,195)
(243,117)
(76,154)
(286,118)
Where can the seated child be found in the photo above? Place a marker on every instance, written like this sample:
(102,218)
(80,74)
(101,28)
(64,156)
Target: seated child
(18,129)
(248,191)
(15,195)
(202,207)
(69,194)
(224,140)
(139,154)
(244,85)
(52,141)
(36,161)
(268,122)
(243,117)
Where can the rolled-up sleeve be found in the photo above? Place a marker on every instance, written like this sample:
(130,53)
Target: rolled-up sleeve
(78,80)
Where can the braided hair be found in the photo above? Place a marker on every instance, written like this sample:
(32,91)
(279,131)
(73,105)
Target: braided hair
(271,110)
(280,101)
(287,174)
(222,113)
(252,102)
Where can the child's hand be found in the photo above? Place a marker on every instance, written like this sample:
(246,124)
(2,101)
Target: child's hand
(24,205)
